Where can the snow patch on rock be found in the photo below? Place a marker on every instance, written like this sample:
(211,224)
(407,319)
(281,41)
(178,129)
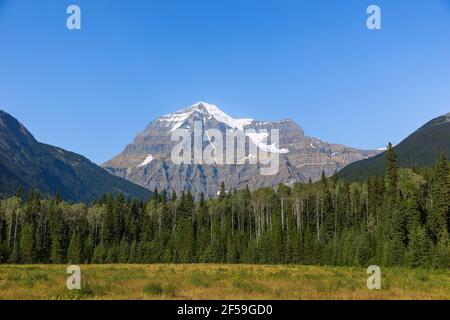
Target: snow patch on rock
(260,140)
(146,161)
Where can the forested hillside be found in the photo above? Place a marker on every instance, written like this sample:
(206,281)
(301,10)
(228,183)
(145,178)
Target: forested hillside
(421,148)
(28,164)
(400,219)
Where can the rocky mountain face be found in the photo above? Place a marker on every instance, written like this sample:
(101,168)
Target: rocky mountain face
(147,160)
(421,148)
(27,163)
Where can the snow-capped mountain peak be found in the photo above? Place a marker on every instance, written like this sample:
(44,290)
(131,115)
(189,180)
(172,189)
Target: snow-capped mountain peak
(147,161)
(176,120)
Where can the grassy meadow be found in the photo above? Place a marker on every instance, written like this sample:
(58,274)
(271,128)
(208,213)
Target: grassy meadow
(202,281)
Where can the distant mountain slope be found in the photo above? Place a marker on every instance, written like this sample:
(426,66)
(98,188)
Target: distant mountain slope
(147,160)
(420,148)
(26,162)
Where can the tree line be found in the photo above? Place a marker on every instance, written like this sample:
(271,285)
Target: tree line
(401,218)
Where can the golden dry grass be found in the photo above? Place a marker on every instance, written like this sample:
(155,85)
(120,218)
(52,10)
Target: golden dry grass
(219,282)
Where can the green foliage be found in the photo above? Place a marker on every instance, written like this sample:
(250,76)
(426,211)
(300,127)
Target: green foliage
(402,219)
(153,289)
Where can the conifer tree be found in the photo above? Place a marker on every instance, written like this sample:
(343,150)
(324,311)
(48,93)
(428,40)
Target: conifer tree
(222,192)
(27,243)
(392,171)
(440,211)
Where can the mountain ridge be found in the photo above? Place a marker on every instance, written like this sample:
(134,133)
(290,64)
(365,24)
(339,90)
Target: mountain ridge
(422,147)
(27,163)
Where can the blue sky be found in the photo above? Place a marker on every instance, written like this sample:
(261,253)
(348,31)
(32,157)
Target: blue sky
(91,91)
